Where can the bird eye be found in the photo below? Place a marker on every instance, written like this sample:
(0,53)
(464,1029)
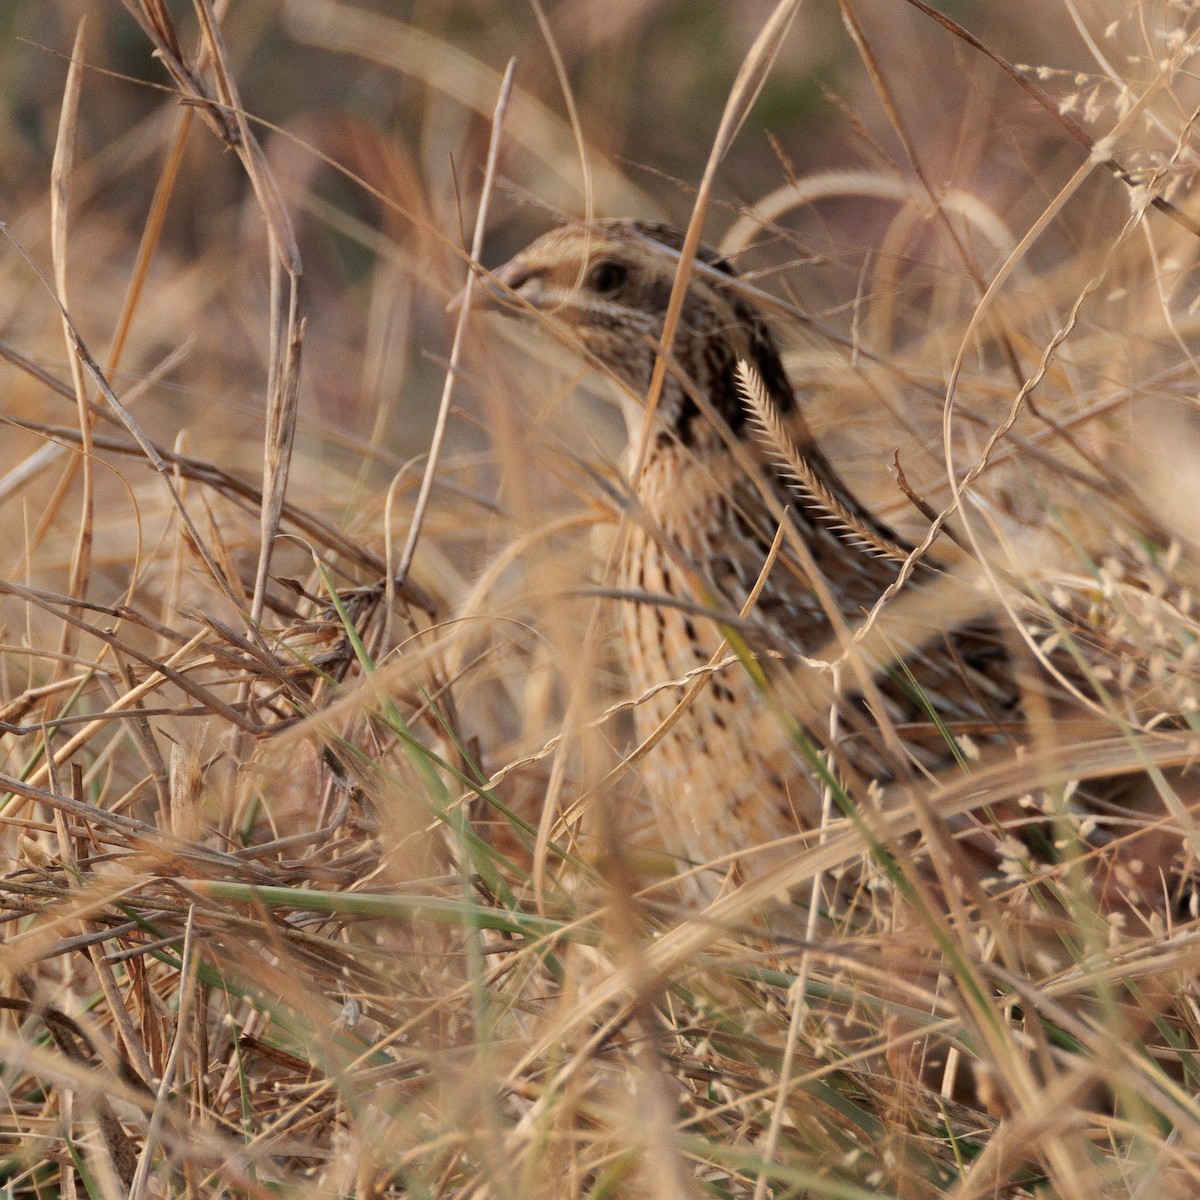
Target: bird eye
(607,277)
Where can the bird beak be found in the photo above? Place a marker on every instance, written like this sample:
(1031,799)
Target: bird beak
(493,287)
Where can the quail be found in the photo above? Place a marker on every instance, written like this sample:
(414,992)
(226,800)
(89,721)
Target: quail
(715,601)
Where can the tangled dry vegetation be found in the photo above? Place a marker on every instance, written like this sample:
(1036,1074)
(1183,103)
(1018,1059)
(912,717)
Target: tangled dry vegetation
(324,877)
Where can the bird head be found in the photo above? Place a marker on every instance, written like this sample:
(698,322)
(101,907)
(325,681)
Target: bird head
(606,286)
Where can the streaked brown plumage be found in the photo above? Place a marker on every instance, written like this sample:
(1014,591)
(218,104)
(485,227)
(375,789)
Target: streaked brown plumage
(726,779)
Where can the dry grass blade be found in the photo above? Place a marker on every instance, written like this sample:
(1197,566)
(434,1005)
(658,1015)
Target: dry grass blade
(286,328)
(59,178)
(750,77)
(439,429)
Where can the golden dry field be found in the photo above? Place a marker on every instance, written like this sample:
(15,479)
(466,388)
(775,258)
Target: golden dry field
(329,864)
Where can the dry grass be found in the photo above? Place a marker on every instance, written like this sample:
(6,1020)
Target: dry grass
(318,886)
